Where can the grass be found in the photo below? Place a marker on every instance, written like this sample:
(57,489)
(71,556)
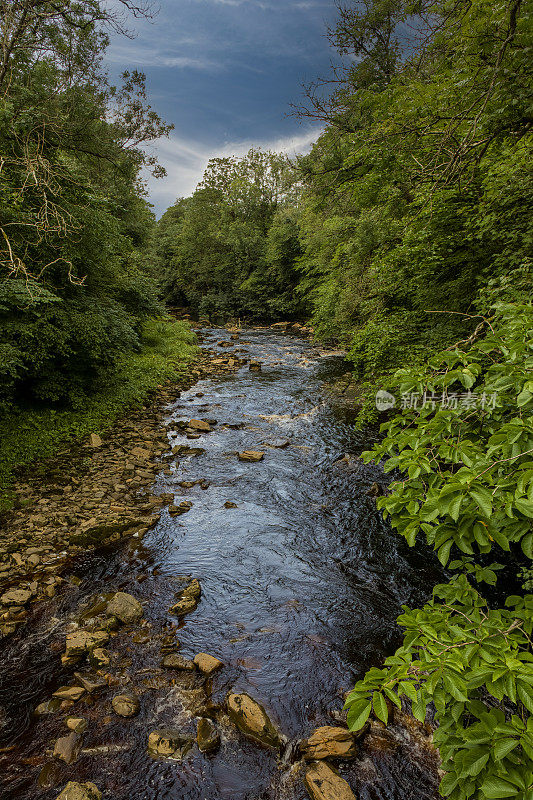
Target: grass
(31,435)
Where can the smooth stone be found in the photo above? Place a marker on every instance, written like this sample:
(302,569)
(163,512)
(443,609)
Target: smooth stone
(329,742)
(207,664)
(125,607)
(251,719)
(169,743)
(126,705)
(207,735)
(184,606)
(323,783)
(199,425)
(80,791)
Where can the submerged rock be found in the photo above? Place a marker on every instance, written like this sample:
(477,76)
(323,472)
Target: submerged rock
(207,735)
(126,705)
(175,661)
(80,791)
(251,456)
(329,742)
(169,743)
(207,664)
(125,607)
(323,783)
(255,366)
(77,724)
(79,643)
(251,719)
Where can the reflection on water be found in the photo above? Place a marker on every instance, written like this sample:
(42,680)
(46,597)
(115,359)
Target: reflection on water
(301,584)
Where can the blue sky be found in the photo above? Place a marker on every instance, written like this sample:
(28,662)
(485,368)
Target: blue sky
(225,72)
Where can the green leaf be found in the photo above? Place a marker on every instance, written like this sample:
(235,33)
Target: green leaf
(503,747)
(525,507)
(380,707)
(474,761)
(483,498)
(358,714)
(497,788)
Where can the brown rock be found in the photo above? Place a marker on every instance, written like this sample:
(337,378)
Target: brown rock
(175,661)
(229,504)
(207,664)
(125,607)
(251,718)
(77,724)
(67,747)
(200,425)
(95,440)
(329,742)
(184,606)
(255,366)
(169,743)
(251,456)
(323,783)
(81,642)
(80,791)
(16,597)
(126,705)
(73,693)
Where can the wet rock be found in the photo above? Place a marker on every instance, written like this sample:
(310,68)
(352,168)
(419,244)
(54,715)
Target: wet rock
(169,743)
(99,658)
(200,425)
(16,597)
(329,742)
(125,607)
(80,791)
(193,589)
(95,440)
(79,643)
(207,735)
(251,719)
(91,683)
(48,707)
(77,724)
(175,661)
(183,507)
(323,783)
(68,747)
(229,504)
(279,444)
(73,693)
(126,705)
(251,456)
(374,491)
(207,664)
(255,366)
(184,606)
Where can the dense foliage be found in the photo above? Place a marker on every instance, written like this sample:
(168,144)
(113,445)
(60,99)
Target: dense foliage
(72,214)
(230,250)
(464,446)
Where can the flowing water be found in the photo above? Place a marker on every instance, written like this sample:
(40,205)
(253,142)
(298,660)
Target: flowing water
(302,582)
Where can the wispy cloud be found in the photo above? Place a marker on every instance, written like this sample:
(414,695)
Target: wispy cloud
(185,161)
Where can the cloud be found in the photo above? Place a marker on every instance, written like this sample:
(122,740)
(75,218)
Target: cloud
(185,161)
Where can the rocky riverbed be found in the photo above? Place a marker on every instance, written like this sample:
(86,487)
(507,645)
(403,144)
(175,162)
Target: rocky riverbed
(155,645)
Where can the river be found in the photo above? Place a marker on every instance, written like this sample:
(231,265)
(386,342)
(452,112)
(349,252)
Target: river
(301,585)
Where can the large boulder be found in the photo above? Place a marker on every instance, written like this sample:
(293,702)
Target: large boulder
(80,791)
(251,719)
(323,783)
(125,607)
(169,743)
(329,742)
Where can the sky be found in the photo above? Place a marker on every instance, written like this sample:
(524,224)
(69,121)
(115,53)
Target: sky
(225,73)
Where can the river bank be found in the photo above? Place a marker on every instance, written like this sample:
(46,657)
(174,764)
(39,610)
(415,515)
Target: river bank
(275,567)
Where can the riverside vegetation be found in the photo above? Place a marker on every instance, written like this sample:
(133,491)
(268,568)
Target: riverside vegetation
(404,235)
